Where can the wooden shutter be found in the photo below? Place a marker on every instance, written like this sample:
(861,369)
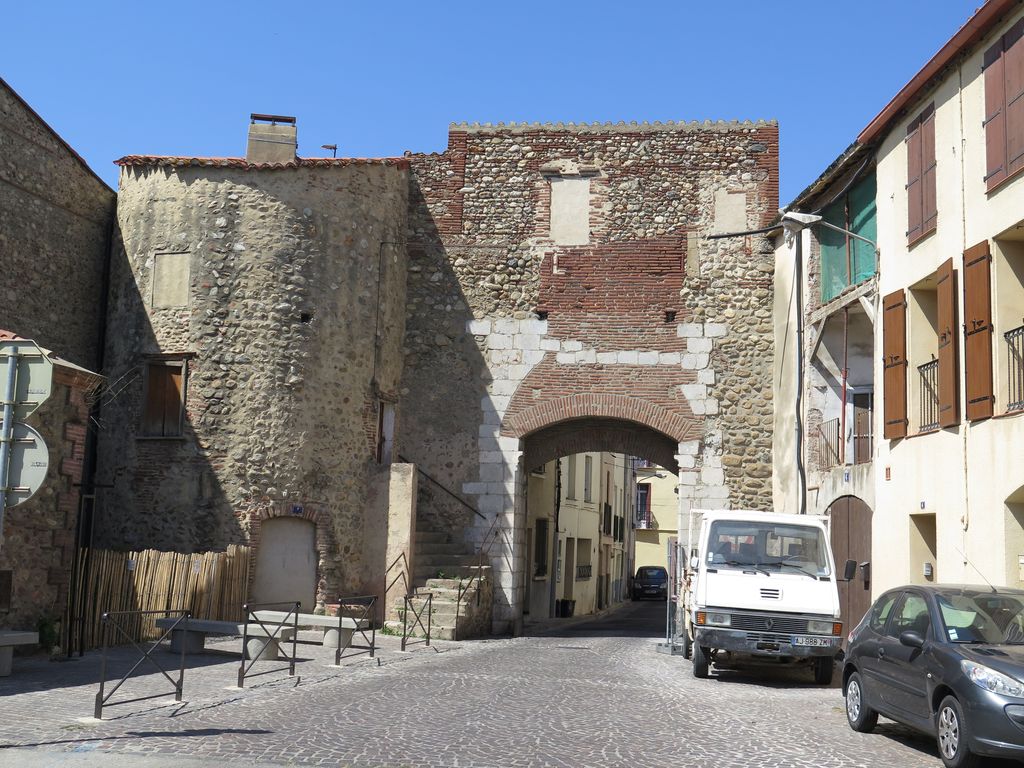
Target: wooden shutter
(978,331)
(929,212)
(1013,91)
(173,394)
(949,410)
(153,408)
(915,206)
(995,117)
(894,359)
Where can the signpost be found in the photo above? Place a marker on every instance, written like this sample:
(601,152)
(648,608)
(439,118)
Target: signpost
(26,378)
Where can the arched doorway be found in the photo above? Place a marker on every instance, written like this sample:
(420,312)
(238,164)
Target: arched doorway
(851,540)
(286,562)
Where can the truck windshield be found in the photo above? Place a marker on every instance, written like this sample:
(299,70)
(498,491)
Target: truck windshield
(768,547)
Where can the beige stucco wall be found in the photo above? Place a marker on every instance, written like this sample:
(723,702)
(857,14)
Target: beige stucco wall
(652,543)
(963,475)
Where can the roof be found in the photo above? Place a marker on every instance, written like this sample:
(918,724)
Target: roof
(243,164)
(53,133)
(974,29)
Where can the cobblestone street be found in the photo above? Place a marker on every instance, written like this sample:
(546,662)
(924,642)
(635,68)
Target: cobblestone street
(594,693)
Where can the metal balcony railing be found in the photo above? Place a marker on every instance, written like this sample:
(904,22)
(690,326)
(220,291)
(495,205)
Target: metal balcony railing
(828,442)
(1015,369)
(929,395)
(583,572)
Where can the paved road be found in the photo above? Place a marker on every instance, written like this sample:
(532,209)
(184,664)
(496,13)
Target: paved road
(595,693)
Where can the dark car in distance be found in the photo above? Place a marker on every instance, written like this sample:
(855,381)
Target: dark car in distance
(944,660)
(650,581)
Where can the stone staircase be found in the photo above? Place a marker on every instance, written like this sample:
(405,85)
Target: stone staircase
(445,569)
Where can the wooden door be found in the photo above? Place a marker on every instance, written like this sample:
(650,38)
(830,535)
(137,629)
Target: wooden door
(851,540)
(862,442)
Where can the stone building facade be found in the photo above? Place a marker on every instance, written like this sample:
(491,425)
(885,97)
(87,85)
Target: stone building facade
(562,298)
(256,315)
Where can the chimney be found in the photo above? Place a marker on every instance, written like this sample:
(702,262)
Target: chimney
(272,139)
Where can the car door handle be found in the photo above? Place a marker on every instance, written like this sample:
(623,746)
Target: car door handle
(881,653)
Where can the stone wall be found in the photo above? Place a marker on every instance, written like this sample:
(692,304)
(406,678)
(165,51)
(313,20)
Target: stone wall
(521,316)
(39,534)
(55,217)
(283,289)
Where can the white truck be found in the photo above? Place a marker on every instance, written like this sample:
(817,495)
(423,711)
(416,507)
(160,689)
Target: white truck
(761,587)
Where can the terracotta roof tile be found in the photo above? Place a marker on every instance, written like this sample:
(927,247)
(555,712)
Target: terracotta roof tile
(242,163)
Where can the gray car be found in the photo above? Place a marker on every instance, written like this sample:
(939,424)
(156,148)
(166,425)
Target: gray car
(945,660)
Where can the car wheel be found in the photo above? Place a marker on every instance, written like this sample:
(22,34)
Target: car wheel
(823,668)
(859,715)
(951,734)
(700,661)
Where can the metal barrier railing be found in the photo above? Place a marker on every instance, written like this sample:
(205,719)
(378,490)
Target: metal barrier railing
(483,554)
(111,620)
(584,572)
(271,639)
(427,605)
(829,439)
(929,395)
(410,593)
(1015,369)
(367,615)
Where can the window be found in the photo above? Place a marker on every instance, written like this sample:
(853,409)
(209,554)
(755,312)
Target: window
(540,548)
(164,407)
(1004,107)
(912,616)
(385,431)
(570,210)
(1008,322)
(643,505)
(922,216)
(570,477)
(584,564)
(588,473)
(880,613)
(845,260)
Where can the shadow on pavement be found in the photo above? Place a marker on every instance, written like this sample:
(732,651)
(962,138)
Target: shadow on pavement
(188,733)
(630,619)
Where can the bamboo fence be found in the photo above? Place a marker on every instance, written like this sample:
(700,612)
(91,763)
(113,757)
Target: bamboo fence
(212,585)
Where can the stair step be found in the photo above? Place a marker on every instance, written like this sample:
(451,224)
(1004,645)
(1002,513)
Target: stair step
(432,537)
(426,548)
(441,561)
(448,571)
(436,633)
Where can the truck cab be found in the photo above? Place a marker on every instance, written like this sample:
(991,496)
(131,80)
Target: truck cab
(761,587)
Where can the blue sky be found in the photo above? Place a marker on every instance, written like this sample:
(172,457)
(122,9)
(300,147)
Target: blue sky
(180,78)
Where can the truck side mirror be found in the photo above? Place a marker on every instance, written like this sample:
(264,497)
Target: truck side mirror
(850,570)
(694,563)
(865,572)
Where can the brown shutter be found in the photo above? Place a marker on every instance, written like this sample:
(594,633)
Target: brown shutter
(172,400)
(153,408)
(928,207)
(894,359)
(949,411)
(1013,79)
(978,332)
(914,198)
(995,116)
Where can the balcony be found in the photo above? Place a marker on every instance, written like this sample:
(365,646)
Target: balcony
(928,415)
(1015,369)
(583,572)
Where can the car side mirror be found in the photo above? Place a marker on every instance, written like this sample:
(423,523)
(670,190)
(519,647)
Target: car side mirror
(850,570)
(912,639)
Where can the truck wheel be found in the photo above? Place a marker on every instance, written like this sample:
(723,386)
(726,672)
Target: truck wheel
(823,668)
(687,645)
(700,661)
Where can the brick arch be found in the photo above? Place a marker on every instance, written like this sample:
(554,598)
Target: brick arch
(599,434)
(672,424)
(315,513)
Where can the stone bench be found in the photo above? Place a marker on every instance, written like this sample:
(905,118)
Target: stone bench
(335,630)
(191,635)
(8,639)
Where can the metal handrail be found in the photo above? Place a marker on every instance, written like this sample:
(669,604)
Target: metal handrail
(250,610)
(1015,369)
(410,592)
(483,553)
(370,603)
(428,606)
(109,620)
(442,486)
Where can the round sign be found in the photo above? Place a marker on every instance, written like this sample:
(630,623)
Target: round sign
(34,378)
(29,462)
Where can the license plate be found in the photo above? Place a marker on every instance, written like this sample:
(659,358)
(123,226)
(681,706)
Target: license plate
(816,642)
(651,591)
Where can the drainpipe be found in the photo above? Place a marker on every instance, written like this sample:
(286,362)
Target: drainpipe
(846,376)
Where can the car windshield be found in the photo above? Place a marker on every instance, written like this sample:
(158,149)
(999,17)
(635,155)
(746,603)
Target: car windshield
(990,618)
(768,547)
(652,574)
